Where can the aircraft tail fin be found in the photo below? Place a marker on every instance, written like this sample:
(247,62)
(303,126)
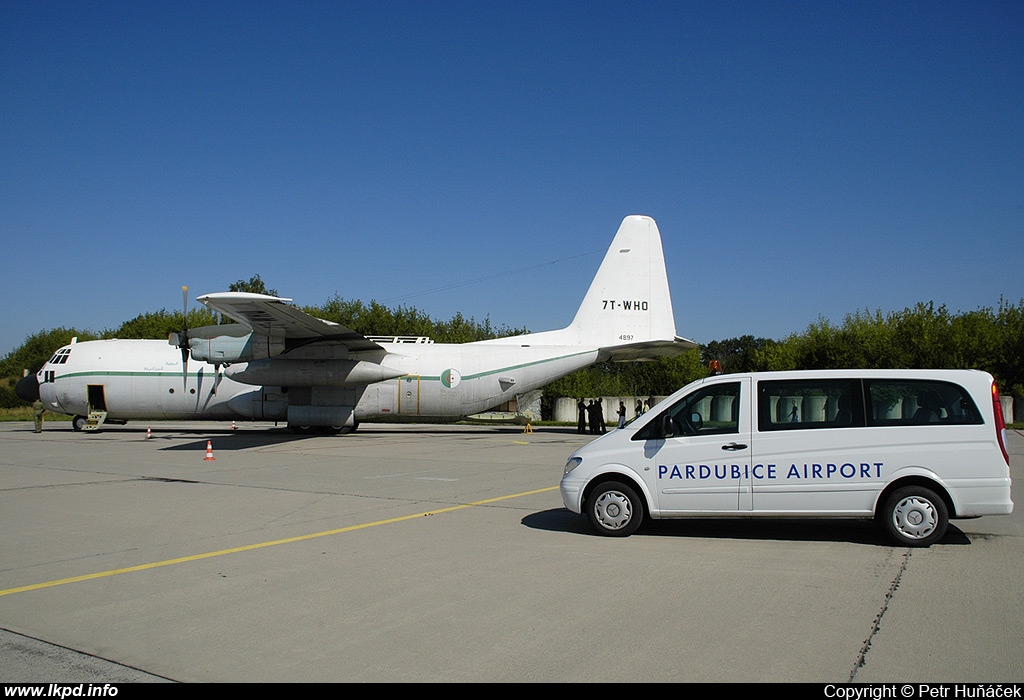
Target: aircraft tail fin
(627,311)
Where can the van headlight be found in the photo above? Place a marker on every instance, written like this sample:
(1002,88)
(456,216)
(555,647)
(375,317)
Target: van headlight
(572,464)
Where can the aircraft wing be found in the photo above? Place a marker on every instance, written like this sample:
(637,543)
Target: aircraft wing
(277,318)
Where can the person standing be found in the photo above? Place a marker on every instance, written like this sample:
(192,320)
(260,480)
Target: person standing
(622,414)
(38,409)
(581,416)
(601,427)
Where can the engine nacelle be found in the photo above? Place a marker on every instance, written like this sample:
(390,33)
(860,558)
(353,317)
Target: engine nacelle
(226,349)
(312,373)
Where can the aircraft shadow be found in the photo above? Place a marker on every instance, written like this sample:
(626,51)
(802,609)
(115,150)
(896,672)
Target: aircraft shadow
(793,530)
(185,440)
(189,439)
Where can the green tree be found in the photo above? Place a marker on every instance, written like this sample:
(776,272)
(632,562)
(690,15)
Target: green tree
(924,336)
(736,354)
(255,285)
(375,319)
(38,348)
(1008,365)
(160,324)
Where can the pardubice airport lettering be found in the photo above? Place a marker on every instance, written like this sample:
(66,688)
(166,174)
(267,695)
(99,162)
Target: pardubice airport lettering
(829,470)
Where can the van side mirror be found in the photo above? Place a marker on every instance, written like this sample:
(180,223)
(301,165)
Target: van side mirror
(667,426)
(670,427)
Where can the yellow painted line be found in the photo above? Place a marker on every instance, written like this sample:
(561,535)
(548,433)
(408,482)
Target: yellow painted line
(261,545)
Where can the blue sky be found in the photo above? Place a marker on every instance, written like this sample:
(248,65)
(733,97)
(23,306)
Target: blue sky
(802,160)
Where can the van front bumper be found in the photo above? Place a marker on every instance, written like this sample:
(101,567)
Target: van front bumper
(572,493)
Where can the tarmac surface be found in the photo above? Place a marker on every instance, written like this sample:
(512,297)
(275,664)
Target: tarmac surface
(443,554)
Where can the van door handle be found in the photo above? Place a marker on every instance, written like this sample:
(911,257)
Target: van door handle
(732,446)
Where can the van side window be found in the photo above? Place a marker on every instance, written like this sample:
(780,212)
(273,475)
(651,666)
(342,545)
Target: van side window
(812,403)
(919,402)
(711,410)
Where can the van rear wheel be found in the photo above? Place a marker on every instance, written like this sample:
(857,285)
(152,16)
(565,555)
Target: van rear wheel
(915,516)
(615,510)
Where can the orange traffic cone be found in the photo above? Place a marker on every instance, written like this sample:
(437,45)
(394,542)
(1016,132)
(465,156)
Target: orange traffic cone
(209,452)
(149,433)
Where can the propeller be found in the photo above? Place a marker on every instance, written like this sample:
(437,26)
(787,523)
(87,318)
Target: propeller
(183,336)
(182,340)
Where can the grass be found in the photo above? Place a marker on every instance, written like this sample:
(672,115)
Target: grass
(16,414)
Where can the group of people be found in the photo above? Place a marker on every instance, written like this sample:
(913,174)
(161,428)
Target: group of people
(591,415)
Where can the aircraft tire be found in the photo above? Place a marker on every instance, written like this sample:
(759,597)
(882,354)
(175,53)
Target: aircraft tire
(77,423)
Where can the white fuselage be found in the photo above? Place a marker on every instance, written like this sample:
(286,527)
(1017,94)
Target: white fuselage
(144,380)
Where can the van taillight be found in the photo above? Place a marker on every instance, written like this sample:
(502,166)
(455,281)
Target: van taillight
(997,408)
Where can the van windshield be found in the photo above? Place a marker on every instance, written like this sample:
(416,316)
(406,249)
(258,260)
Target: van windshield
(710,410)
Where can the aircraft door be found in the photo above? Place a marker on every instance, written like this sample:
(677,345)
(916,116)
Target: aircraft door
(97,400)
(409,395)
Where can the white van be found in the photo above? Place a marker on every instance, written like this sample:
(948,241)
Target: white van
(912,448)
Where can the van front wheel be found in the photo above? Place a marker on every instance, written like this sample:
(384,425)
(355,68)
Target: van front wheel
(614,509)
(915,516)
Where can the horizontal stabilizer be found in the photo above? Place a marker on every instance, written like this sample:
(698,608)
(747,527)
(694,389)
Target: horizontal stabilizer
(648,350)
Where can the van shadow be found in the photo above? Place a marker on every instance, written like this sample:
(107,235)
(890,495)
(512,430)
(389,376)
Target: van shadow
(793,530)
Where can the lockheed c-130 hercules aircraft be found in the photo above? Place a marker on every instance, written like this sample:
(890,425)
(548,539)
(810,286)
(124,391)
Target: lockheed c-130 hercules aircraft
(278,363)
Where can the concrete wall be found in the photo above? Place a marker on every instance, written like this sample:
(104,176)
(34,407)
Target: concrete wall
(565,408)
(1013,409)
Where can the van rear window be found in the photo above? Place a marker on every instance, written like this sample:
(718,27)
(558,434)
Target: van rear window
(919,402)
(814,403)
(840,403)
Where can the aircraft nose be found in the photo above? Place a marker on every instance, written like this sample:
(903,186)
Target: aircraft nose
(27,388)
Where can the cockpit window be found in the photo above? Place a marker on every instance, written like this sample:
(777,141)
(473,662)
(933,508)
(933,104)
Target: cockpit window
(61,356)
